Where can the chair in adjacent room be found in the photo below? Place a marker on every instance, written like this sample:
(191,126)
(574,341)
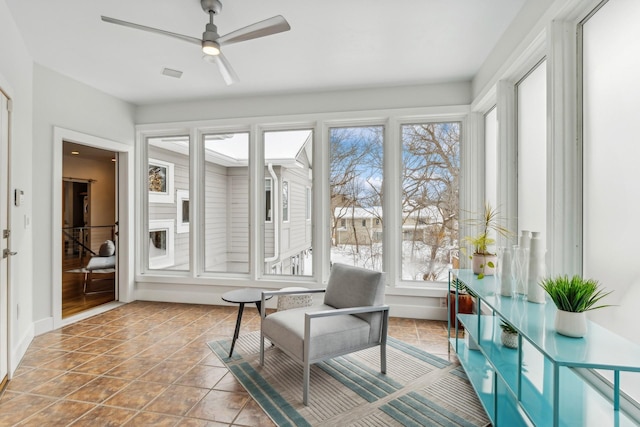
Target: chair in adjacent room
(105,260)
(352,317)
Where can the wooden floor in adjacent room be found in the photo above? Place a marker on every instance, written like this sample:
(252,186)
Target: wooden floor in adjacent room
(100,289)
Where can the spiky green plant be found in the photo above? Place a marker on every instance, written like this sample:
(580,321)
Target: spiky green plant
(574,294)
(487,223)
(507,327)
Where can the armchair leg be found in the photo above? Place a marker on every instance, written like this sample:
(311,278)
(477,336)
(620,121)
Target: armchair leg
(305,384)
(261,347)
(383,342)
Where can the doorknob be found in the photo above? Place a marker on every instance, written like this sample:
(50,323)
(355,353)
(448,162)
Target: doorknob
(7,252)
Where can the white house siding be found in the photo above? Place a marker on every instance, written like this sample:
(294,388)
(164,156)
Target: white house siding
(215,217)
(238,242)
(168,211)
(296,234)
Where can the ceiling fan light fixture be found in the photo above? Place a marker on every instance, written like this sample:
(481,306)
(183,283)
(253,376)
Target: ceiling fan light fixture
(210,47)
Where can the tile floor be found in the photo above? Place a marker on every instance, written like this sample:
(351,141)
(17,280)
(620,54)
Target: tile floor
(148,363)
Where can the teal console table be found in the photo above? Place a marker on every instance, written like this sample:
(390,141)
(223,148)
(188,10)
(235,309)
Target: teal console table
(539,383)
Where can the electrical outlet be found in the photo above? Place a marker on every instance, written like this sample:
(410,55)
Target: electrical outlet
(443,303)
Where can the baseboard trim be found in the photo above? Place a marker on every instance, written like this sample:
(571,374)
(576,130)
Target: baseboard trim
(42,326)
(20,350)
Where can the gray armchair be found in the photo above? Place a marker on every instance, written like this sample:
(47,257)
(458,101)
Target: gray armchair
(352,317)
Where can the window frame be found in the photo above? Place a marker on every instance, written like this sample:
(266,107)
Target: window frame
(285,196)
(268,198)
(320,124)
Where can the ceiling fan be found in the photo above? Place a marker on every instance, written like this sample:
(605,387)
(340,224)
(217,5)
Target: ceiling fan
(212,42)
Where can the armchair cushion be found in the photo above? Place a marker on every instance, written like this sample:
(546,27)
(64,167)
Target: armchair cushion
(329,335)
(356,287)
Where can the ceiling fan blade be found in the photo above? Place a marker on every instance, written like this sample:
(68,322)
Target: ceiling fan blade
(274,25)
(152,30)
(228,74)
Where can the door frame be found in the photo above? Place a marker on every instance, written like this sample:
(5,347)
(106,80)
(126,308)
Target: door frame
(5,294)
(124,203)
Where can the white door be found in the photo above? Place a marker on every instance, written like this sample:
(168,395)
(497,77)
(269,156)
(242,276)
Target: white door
(4,229)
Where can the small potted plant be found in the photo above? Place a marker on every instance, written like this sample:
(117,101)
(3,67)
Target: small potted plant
(465,301)
(484,261)
(573,297)
(509,335)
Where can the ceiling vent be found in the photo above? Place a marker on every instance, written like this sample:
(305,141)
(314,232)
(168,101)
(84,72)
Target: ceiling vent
(172,73)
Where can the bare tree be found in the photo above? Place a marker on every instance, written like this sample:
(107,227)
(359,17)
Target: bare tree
(431,161)
(353,161)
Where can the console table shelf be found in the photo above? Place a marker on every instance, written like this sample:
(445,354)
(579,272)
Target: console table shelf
(539,382)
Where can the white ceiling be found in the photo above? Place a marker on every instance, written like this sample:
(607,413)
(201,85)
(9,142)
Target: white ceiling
(332,45)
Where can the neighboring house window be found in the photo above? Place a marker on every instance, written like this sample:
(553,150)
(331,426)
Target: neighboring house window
(182,211)
(343,222)
(364,222)
(377,221)
(268,199)
(161,246)
(285,201)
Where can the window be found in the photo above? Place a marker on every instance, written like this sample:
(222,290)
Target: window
(430,172)
(285,201)
(355,181)
(343,222)
(169,240)
(161,244)
(532,151)
(182,211)
(226,202)
(160,181)
(610,202)
(491,156)
(268,199)
(288,164)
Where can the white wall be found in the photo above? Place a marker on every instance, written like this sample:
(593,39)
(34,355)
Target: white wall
(63,102)
(16,70)
(325,102)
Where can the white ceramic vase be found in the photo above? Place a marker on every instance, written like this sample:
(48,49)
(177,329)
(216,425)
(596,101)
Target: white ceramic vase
(505,277)
(535,292)
(525,239)
(519,268)
(571,324)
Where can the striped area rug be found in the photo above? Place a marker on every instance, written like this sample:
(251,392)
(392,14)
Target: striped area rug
(419,389)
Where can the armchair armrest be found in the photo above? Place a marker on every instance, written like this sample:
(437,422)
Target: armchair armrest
(285,292)
(350,310)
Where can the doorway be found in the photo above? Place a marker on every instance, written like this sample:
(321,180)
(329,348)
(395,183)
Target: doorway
(89,228)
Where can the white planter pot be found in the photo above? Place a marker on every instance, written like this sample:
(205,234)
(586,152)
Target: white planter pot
(509,339)
(571,324)
(480,264)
